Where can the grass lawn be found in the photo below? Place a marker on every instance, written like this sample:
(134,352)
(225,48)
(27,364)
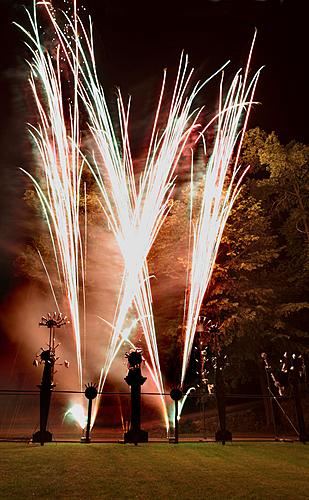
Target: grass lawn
(154,471)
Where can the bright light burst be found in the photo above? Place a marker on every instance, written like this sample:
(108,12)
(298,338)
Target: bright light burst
(77,412)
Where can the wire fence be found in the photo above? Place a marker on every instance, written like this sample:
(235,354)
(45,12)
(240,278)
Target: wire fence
(247,416)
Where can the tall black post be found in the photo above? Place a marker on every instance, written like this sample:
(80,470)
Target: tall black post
(222,434)
(48,357)
(46,388)
(176,395)
(135,380)
(296,373)
(90,393)
(176,422)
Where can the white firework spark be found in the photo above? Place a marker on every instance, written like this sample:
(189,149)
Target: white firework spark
(221,185)
(60,168)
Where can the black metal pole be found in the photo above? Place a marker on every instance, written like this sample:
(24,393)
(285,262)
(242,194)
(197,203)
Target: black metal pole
(176,395)
(45,398)
(204,418)
(220,396)
(46,387)
(299,410)
(176,422)
(136,407)
(87,440)
(90,393)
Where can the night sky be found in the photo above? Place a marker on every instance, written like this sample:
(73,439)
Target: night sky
(134,42)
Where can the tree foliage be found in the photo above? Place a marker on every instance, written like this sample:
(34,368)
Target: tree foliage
(281,183)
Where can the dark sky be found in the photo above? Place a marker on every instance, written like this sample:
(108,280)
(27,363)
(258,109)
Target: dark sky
(134,42)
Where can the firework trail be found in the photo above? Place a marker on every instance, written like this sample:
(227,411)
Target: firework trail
(58,189)
(137,224)
(138,217)
(221,186)
(119,199)
(134,218)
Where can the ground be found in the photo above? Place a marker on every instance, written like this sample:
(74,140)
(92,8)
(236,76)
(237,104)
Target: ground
(160,471)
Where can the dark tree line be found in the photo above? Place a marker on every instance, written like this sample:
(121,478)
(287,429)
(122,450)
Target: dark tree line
(259,292)
(260,288)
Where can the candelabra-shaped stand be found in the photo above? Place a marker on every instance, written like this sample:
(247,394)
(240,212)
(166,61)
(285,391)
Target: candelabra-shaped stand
(135,380)
(48,358)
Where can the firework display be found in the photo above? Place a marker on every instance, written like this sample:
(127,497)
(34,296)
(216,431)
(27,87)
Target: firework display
(65,85)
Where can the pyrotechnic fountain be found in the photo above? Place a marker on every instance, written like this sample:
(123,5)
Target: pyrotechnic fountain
(134,216)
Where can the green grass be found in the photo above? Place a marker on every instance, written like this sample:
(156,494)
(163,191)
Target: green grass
(154,471)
